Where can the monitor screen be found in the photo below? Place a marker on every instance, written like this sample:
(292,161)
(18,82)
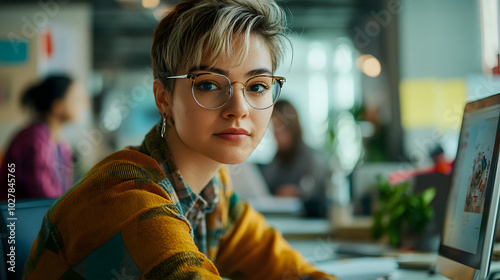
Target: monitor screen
(472,205)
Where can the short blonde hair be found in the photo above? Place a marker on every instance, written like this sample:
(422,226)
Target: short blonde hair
(185,34)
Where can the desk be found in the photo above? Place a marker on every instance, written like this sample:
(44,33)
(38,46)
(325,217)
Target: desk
(404,274)
(320,251)
(299,228)
(312,238)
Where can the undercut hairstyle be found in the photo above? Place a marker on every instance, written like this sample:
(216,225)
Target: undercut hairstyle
(197,28)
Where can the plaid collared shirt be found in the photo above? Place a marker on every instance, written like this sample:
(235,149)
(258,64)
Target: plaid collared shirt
(194,207)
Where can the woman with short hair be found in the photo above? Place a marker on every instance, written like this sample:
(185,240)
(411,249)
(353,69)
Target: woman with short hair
(166,209)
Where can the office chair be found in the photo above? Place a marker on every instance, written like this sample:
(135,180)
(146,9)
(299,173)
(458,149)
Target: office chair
(430,236)
(29,214)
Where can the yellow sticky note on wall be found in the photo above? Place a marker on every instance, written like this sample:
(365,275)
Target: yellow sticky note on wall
(432,103)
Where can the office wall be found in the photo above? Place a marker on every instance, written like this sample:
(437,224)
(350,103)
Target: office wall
(70,28)
(440,39)
(440,48)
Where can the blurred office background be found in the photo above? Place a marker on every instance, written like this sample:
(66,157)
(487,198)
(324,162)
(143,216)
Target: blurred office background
(377,83)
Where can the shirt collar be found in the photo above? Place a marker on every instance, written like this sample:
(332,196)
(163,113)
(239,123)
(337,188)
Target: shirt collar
(156,147)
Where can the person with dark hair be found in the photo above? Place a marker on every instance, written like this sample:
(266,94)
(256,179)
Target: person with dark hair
(166,209)
(297,170)
(42,160)
(440,165)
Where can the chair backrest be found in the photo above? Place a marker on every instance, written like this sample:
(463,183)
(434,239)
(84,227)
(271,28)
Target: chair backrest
(431,235)
(19,226)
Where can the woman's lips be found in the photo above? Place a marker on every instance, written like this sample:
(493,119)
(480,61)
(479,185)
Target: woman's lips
(233,134)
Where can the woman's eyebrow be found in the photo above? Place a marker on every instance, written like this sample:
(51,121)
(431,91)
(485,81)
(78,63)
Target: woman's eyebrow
(208,69)
(259,71)
(251,73)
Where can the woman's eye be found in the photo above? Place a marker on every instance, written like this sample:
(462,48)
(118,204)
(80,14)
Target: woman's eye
(206,86)
(257,88)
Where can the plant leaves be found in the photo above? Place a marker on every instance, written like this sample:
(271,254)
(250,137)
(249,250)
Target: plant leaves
(400,210)
(428,195)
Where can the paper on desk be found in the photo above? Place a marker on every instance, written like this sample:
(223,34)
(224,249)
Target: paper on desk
(359,268)
(271,204)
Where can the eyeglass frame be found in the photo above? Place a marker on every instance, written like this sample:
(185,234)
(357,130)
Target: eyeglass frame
(192,77)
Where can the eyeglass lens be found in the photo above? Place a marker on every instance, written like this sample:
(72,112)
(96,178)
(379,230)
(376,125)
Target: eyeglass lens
(213,91)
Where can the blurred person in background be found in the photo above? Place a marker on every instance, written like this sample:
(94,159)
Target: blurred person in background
(440,165)
(40,158)
(166,209)
(297,170)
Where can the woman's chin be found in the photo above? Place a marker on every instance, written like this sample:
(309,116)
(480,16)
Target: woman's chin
(233,158)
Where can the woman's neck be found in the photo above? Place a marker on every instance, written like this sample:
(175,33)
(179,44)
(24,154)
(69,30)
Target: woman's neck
(55,127)
(196,169)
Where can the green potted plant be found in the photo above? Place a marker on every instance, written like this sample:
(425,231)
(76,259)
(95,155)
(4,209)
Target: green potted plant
(400,212)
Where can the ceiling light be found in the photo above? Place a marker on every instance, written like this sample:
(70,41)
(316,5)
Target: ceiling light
(150,4)
(369,65)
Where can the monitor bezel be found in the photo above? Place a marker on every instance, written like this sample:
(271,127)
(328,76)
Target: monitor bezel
(455,263)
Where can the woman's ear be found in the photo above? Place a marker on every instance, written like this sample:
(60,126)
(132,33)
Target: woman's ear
(162,98)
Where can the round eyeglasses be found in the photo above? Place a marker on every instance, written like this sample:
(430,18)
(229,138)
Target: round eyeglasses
(212,90)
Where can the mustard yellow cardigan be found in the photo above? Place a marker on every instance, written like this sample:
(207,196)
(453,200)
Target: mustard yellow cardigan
(119,223)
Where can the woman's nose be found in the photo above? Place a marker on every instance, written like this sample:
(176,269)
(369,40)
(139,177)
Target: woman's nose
(237,106)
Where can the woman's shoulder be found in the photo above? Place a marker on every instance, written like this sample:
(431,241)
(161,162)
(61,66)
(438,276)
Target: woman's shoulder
(35,129)
(34,138)
(120,189)
(34,132)
(128,165)
(127,178)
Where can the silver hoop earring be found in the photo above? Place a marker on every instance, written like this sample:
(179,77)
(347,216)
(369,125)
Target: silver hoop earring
(163,126)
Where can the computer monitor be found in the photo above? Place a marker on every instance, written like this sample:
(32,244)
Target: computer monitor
(472,208)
